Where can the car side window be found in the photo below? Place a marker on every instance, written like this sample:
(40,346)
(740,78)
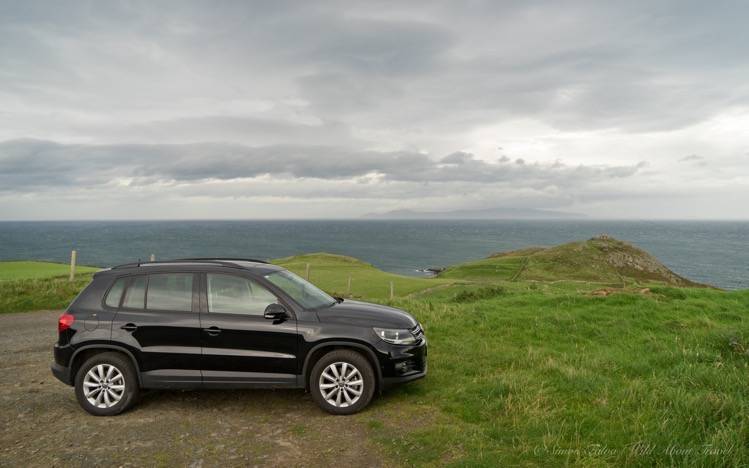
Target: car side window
(170,291)
(228,294)
(115,293)
(135,296)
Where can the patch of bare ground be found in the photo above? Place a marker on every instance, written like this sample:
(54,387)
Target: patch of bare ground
(609,291)
(41,423)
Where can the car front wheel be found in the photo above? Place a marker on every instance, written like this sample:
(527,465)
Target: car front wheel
(342,382)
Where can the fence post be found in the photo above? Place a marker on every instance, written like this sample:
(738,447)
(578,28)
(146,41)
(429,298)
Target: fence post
(348,288)
(392,291)
(72,265)
(306,273)
(153,257)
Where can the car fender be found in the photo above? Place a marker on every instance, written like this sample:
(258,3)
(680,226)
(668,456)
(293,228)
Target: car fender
(107,346)
(349,344)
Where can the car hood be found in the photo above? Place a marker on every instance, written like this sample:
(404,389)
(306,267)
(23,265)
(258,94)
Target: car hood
(366,314)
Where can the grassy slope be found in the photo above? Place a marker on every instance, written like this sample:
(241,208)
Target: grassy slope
(527,373)
(332,272)
(534,376)
(36,270)
(39,294)
(602,261)
(531,373)
(487,269)
(39,285)
(547,373)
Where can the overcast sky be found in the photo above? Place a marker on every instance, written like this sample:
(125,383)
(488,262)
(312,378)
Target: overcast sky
(134,110)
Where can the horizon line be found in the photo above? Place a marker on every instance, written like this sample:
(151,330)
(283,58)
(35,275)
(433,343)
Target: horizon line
(581,219)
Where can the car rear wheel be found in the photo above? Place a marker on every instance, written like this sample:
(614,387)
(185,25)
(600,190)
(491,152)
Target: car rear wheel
(342,382)
(106,384)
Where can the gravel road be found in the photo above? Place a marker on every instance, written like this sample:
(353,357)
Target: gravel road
(42,424)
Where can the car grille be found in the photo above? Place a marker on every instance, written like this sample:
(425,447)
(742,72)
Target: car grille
(417,332)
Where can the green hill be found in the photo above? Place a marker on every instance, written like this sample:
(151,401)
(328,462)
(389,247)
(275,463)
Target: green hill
(332,272)
(598,260)
(36,270)
(528,370)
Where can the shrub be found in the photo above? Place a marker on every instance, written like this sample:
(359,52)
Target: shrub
(479,294)
(669,293)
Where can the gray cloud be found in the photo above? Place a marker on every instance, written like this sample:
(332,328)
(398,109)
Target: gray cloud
(630,65)
(691,158)
(376,100)
(29,165)
(243,129)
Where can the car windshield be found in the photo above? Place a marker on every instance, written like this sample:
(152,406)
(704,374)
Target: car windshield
(303,292)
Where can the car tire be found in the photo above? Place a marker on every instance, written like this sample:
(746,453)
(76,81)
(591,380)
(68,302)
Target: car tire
(342,382)
(106,384)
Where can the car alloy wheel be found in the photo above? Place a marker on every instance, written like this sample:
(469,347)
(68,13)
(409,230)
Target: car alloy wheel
(104,386)
(341,384)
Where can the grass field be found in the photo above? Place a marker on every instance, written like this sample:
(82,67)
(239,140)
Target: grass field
(36,270)
(600,259)
(28,286)
(540,376)
(531,373)
(549,373)
(333,271)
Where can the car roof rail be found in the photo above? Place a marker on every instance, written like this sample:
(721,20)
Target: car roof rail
(220,259)
(229,262)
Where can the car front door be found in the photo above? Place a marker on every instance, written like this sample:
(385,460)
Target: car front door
(158,321)
(241,346)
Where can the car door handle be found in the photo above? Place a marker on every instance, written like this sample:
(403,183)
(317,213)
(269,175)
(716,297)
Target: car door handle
(129,327)
(213,331)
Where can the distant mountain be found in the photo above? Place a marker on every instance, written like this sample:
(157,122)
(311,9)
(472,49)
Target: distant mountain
(491,213)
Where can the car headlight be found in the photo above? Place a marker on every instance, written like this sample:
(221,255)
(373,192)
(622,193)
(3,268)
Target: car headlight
(395,336)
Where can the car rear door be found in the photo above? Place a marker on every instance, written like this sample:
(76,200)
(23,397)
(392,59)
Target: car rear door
(158,321)
(240,346)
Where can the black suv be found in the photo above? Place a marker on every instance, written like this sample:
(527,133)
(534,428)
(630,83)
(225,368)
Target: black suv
(229,323)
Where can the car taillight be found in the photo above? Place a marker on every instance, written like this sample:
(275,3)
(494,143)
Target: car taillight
(64,322)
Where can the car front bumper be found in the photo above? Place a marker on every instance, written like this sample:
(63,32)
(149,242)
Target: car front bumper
(391,381)
(404,363)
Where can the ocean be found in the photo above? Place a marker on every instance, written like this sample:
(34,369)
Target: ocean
(716,253)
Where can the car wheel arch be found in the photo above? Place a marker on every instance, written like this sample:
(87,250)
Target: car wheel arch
(321,349)
(85,352)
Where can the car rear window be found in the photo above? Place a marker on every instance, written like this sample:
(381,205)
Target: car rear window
(115,293)
(136,294)
(170,291)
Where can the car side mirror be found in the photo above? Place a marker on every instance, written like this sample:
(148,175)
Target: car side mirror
(275,312)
